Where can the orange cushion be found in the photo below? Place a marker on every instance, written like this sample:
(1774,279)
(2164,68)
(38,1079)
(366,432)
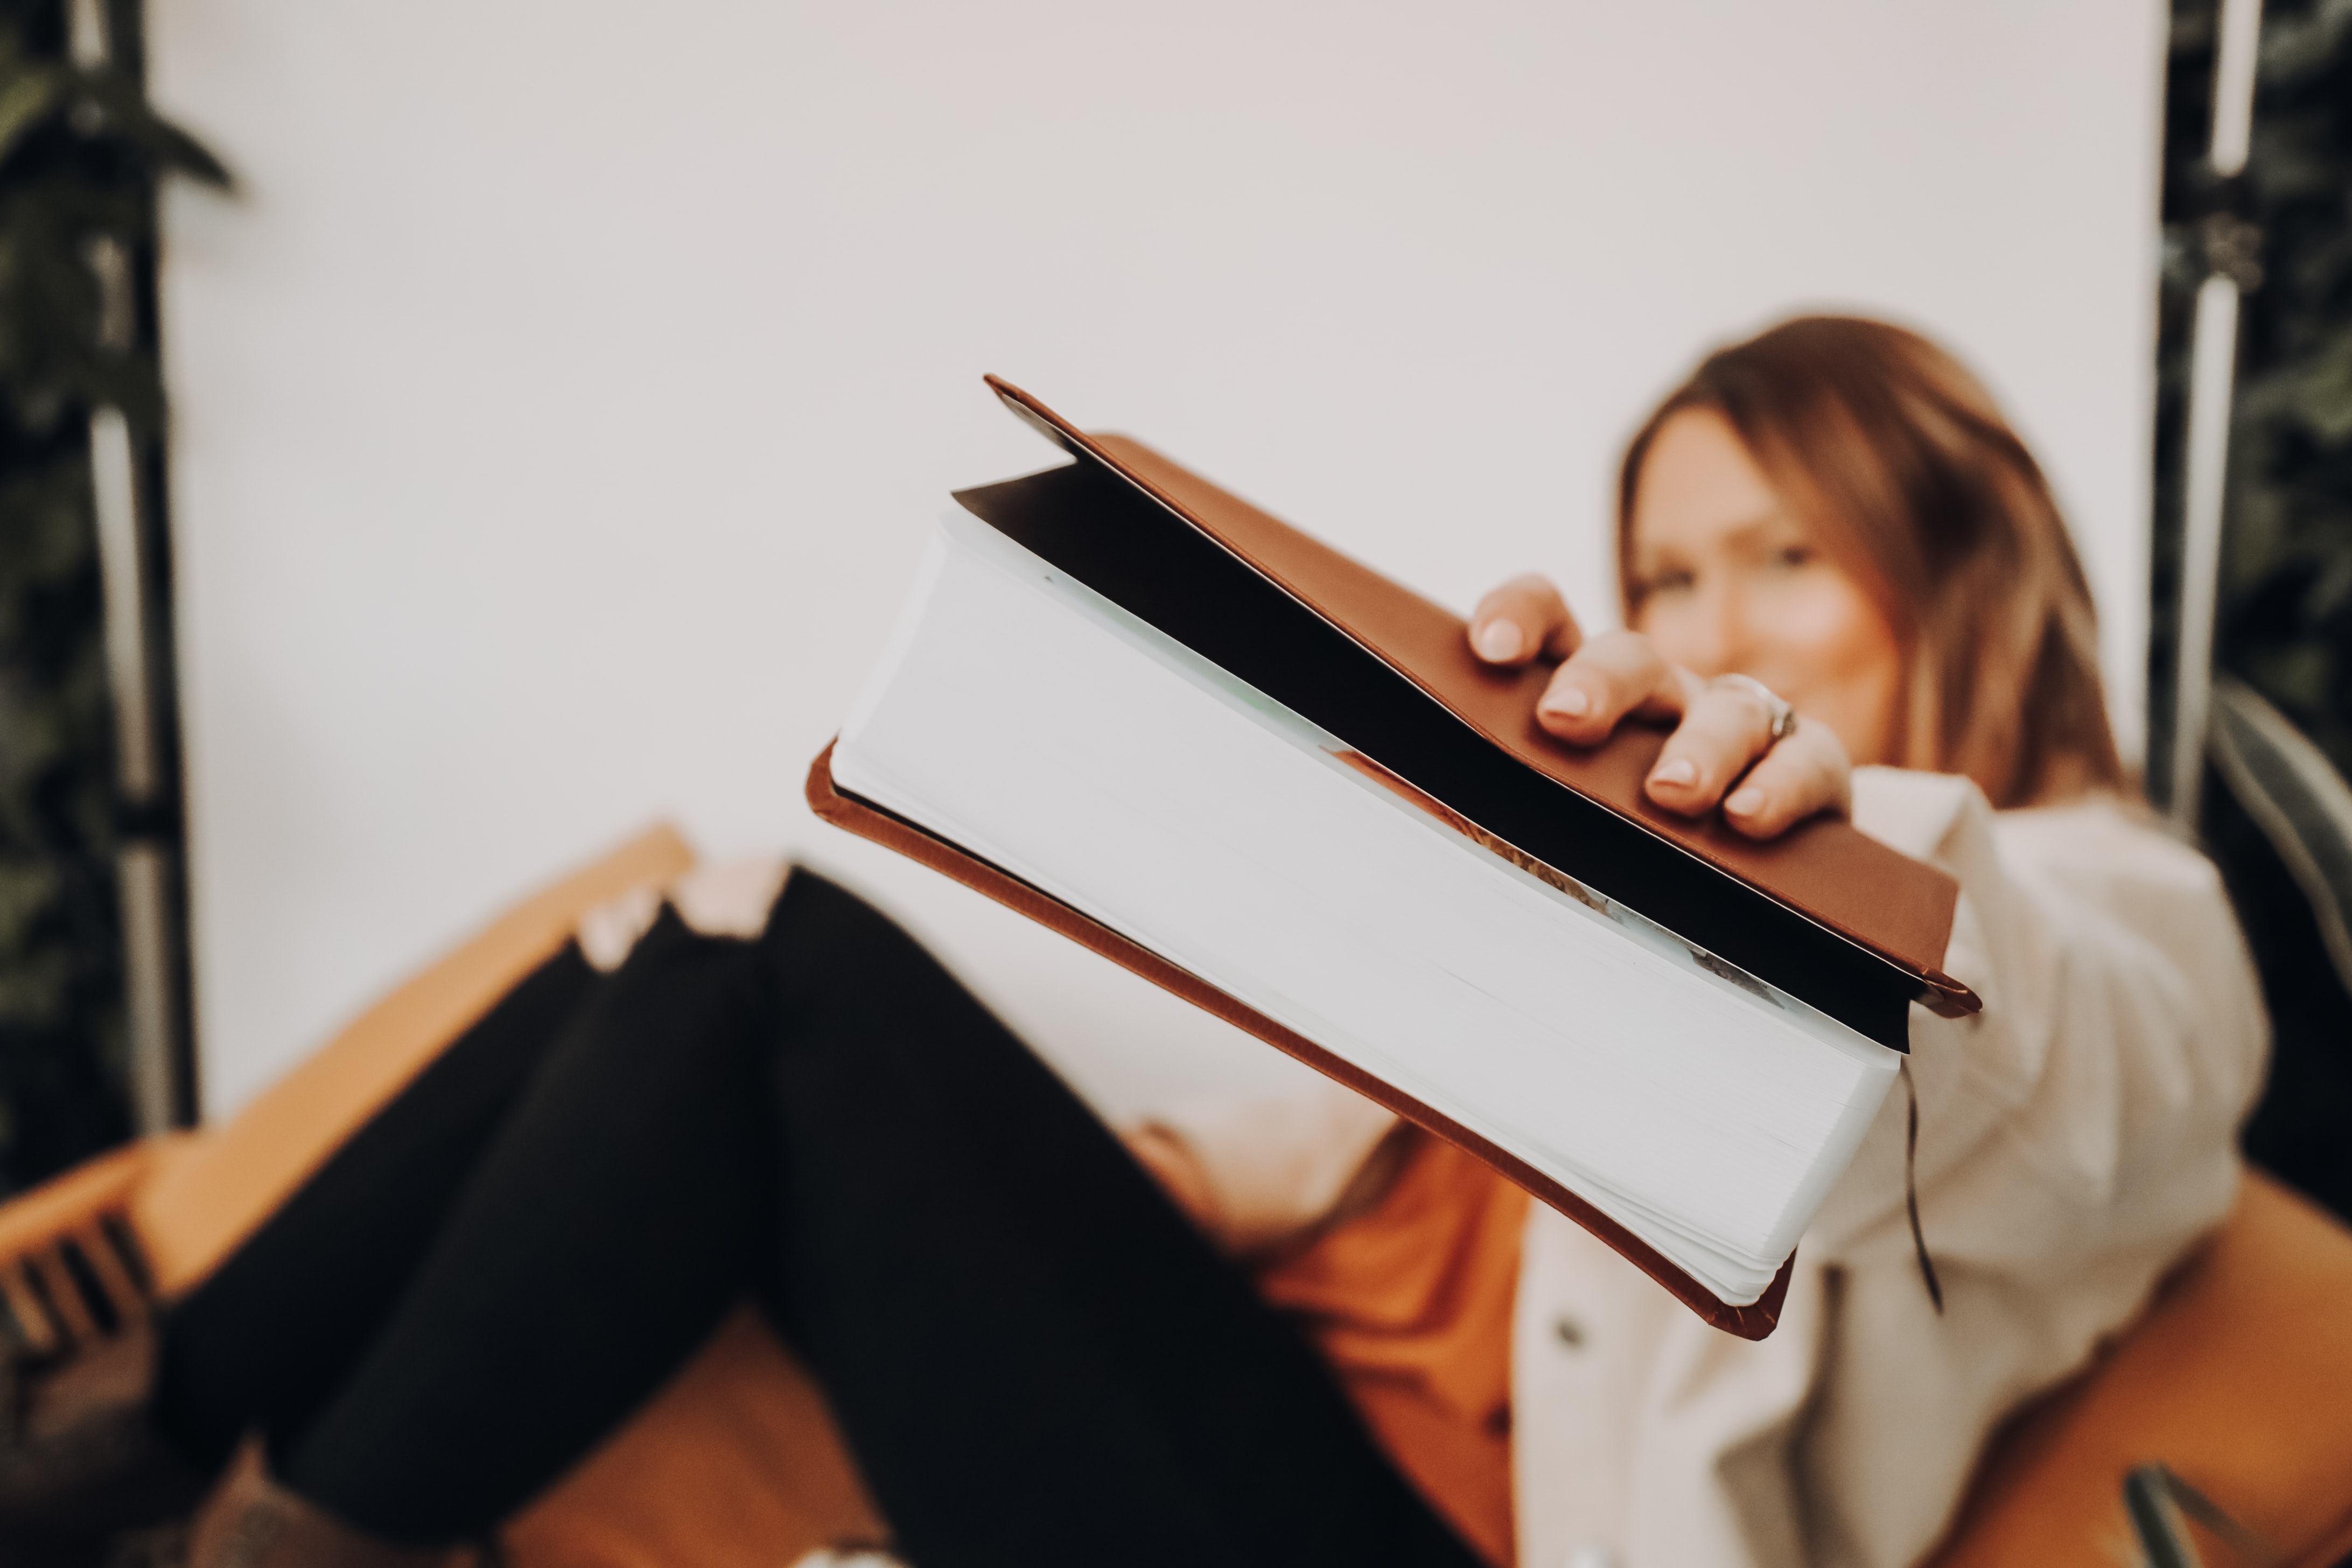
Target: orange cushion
(737,1464)
(2238,1378)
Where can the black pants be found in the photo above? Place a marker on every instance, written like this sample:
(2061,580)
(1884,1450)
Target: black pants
(1034,1357)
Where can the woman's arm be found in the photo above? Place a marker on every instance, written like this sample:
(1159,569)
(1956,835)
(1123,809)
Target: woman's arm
(2093,1103)
(2075,1137)
(2092,1108)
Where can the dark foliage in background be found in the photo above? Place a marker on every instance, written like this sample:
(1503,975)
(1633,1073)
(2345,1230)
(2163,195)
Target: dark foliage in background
(79,156)
(2286,578)
(2284,617)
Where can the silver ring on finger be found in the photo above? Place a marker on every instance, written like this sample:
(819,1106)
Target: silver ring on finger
(1776,707)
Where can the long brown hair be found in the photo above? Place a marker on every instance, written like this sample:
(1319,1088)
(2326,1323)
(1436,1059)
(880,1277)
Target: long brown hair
(1897,458)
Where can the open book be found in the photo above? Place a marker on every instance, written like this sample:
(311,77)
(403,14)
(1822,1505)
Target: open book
(1258,773)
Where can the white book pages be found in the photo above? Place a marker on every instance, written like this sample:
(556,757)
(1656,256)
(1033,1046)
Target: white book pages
(1035,724)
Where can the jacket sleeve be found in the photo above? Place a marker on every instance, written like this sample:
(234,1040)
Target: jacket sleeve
(2074,1138)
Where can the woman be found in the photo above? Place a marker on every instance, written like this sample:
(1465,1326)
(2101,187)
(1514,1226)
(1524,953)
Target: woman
(1836,510)
(1038,1359)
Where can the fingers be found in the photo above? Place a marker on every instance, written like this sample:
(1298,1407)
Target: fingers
(1524,617)
(1614,674)
(1725,744)
(1724,729)
(1806,772)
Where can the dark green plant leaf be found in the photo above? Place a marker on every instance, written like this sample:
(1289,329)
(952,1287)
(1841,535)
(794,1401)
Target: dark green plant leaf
(28,96)
(126,115)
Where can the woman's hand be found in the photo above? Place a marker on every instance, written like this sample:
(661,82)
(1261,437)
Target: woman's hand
(1724,740)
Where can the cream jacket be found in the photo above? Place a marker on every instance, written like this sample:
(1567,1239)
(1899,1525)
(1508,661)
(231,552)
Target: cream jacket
(2074,1138)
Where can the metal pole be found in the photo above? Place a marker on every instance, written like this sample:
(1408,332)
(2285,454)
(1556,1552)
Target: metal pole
(140,871)
(2213,360)
(158,1096)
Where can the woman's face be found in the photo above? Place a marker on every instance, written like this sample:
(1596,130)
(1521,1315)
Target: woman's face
(1730,581)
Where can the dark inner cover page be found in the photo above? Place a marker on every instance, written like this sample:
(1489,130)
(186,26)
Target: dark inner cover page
(1126,547)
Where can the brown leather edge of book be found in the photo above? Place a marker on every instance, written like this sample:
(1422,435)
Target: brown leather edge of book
(1754,1321)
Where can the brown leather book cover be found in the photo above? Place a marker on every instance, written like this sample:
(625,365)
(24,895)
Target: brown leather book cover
(1854,895)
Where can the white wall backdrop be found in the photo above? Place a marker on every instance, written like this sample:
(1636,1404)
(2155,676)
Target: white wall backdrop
(561,403)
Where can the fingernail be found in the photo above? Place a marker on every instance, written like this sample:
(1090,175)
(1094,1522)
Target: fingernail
(1500,640)
(1569,703)
(1681,771)
(1744,800)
